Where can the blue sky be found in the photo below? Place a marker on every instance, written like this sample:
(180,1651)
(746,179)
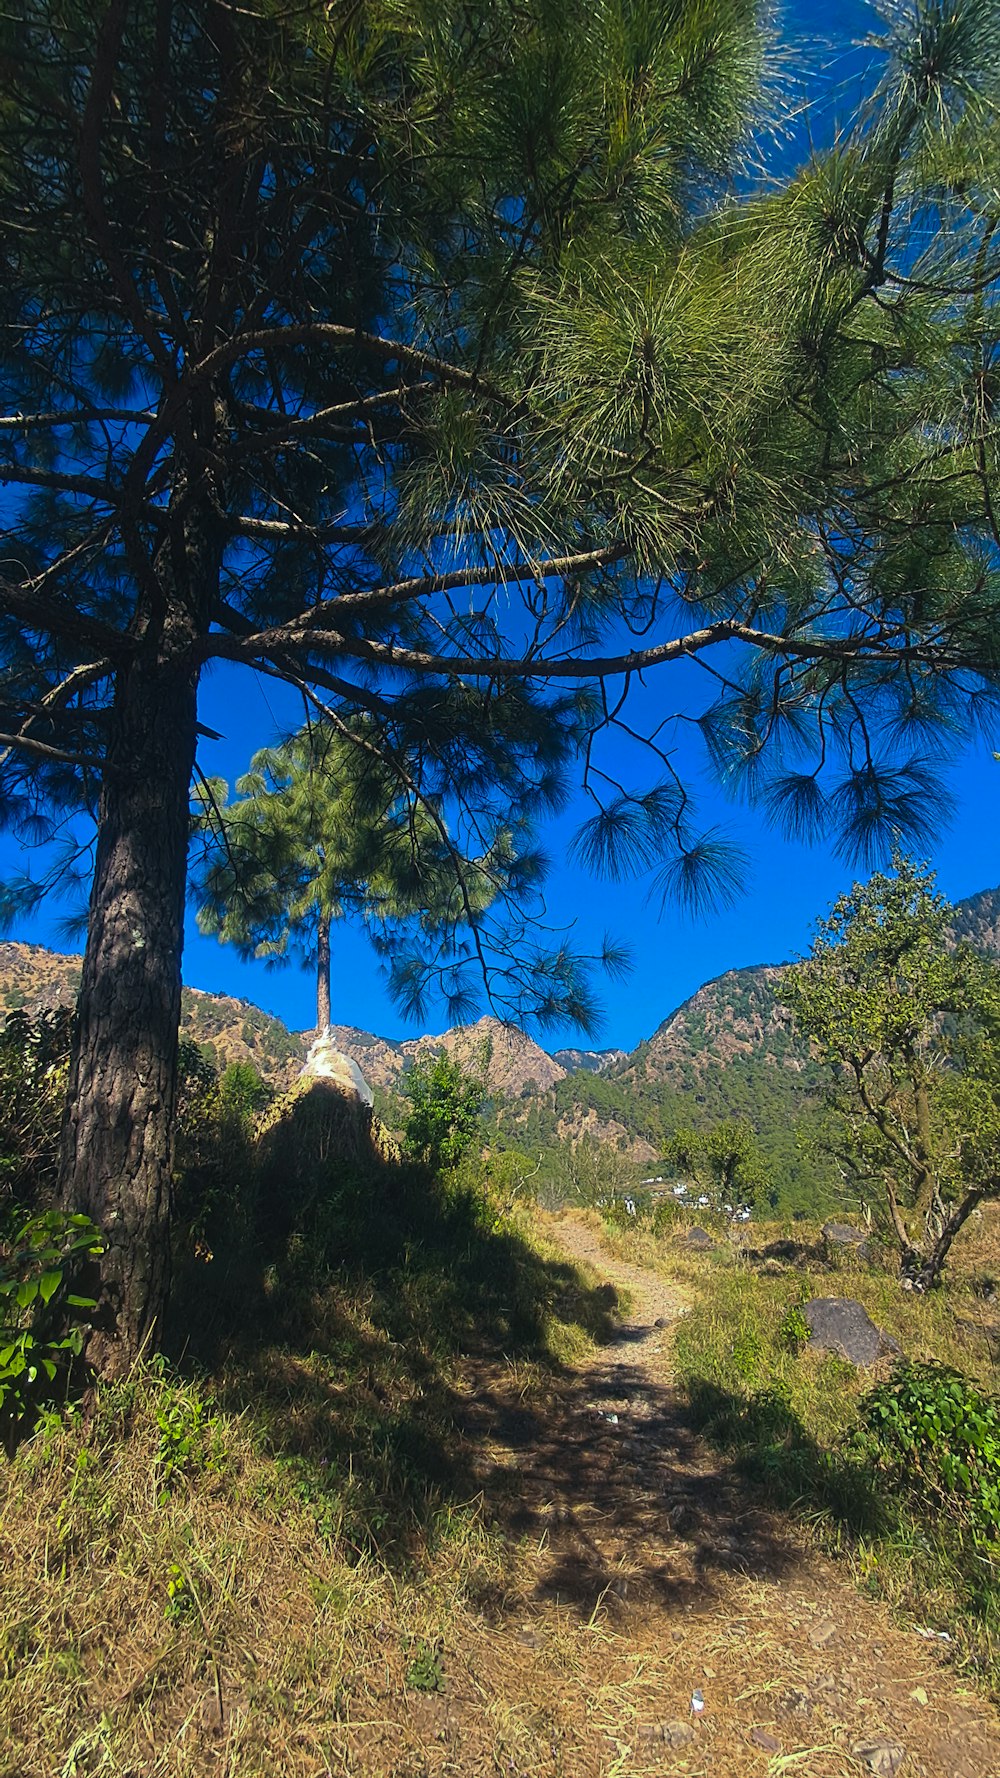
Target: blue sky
(790,885)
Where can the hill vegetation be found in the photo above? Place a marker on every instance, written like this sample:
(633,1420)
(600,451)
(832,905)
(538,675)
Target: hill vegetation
(224,1029)
(728,1052)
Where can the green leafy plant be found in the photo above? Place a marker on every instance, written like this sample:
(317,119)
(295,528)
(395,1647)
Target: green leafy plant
(425,1672)
(42,1313)
(793,1328)
(936,1433)
(181,1602)
(747,1352)
(186,1427)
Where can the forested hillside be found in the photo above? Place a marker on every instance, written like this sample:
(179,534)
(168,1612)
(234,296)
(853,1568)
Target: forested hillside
(730,1051)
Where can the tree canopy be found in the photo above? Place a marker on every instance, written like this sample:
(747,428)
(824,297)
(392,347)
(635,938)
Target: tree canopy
(447,364)
(321,829)
(446,1099)
(725,1163)
(908,1021)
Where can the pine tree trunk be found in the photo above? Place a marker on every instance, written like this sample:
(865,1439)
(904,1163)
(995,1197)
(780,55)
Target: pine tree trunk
(323,975)
(118,1132)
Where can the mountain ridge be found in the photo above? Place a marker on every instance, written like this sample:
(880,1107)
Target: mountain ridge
(708,1052)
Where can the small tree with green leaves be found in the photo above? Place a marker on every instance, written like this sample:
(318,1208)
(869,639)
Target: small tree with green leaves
(725,1163)
(446,1100)
(908,1022)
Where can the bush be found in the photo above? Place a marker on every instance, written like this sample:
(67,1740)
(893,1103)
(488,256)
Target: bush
(937,1435)
(445,1105)
(214,1173)
(34,1058)
(242,1090)
(41,1312)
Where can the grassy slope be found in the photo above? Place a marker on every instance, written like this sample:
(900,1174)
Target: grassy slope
(269,1560)
(290,1525)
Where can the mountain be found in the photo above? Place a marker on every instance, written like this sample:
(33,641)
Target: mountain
(593,1061)
(229,1030)
(737,1014)
(517,1064)
(225,1029)
(977,920)
(729,1050)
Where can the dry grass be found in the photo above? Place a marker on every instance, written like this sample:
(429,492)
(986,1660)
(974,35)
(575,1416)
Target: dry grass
(293,1654)
(250,1572)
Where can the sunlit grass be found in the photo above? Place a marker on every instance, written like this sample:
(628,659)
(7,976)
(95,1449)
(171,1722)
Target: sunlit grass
(788,1415)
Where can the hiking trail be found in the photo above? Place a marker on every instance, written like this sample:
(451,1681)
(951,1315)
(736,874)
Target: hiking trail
(653,1574)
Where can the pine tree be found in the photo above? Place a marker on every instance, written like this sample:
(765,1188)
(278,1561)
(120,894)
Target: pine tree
(320,830)
(439,359)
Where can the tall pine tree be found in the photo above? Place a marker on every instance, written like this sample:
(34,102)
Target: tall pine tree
(420,354)
(320,830)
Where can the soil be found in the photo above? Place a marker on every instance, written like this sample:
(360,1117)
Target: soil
(648,1576)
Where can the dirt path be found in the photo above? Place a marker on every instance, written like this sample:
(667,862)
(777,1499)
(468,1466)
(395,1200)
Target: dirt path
(648,1537)
(651,1300)
(637,1572)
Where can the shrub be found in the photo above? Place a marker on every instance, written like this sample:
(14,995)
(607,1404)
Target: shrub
(41,1312)
(242,1090)
(938,1435)
(34,1056)
(445,1105)
(214,1131)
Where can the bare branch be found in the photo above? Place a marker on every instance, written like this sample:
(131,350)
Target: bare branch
(25,744)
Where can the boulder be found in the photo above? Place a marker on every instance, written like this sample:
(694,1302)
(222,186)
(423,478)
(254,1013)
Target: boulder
(844,1240)
(838,1324)
(698,1238)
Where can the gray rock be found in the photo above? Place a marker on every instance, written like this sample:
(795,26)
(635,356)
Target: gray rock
(884,1758)
(697,1237)
(838,1324)
(843,1239)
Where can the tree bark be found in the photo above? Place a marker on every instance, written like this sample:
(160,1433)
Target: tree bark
(323,975)
(117,1141)
(928,1273)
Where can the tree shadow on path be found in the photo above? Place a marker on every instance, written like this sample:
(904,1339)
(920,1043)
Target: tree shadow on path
(609,1477)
